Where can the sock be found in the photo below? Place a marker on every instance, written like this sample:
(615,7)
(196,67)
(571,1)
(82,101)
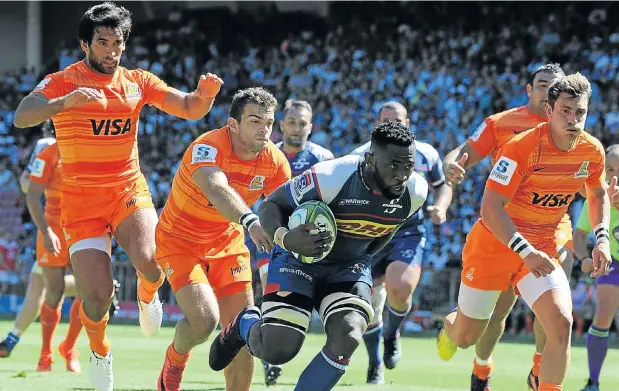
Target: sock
(546,386)
(177,359)
(147,289)
(75,325)
(16,332)
(248,319)
(11,340)
(394,321)
(372,340)
(323,373)
(482,368)
(50,317)
(537,358)
(96,333)
(597,347)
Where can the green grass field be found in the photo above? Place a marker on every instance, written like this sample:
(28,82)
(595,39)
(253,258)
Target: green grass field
(137,362)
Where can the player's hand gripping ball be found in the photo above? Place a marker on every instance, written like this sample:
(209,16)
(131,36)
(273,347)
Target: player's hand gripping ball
(318,214)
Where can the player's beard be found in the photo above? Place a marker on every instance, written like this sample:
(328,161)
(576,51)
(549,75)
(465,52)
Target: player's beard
(98,65)
(386,190)
(294,142)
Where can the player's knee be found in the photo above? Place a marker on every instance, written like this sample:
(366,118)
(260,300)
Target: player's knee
(561,330)
(344,332)
(280,344)
(400,292)
(98,296)
(53,295)
(203,327)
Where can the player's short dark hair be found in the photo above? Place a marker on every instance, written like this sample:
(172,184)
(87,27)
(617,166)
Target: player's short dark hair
(393,105)
(253,95)
(392,132)
(107,14)
(574,85)
(551,68)
(297,104)
(614,149)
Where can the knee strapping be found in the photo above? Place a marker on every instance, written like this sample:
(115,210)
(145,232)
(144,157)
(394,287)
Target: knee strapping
(278,314)
(343,301)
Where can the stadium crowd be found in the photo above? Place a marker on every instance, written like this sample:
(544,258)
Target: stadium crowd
(450,77)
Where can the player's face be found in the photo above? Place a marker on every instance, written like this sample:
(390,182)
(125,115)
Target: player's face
(388,114)
(612,165)
(538,92)
(569,115)
(393,165)
(104,52)
(256,126)
(296,126)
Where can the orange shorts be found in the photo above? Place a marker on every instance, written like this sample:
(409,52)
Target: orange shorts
(489,265)
(47,259)
(89,212)
(223,263)
(563,235)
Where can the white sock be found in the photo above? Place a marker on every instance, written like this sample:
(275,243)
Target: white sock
(479,361)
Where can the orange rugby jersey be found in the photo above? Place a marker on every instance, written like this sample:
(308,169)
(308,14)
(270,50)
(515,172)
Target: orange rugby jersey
(98,141)
(499,128)
(46,169)
(541,180)
(188,214)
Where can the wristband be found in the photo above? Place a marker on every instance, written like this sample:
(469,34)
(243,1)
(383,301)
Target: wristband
(520,245)
(248,219)
(278,238)
(601,233)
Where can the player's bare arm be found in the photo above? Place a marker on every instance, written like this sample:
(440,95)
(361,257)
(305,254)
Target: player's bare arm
(503,228)
(458,161)
(193,106)
(305,239)
(599,216)
(24,181)
(443,197)
(214,184)
(580,250)
(36,108)
(34,198)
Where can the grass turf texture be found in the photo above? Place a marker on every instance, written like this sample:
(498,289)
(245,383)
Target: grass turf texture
(138,360)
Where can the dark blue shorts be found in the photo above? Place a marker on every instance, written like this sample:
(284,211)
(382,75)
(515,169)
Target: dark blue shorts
(408,249)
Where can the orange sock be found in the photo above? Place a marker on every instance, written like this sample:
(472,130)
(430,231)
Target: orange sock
(537,358)
(147,289)
(96,333)
(176,359)
(75,325)
(49,318)
(546,386)
(482,371)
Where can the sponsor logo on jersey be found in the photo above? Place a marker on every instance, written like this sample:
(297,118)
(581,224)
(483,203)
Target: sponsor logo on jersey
(551,200)
(110,127)
(364,228)
(133,92)
(353,201)
(203,153)
(503,170)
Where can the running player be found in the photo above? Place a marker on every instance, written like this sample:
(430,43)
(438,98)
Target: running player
(95,106)
(535,177)
(607,289)
(52,256)
(200,241)
(296,126)
(370,198)
(487,140)
(396,269)
(35,292)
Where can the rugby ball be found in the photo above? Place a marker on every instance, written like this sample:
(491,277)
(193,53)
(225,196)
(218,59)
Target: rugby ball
(319,214)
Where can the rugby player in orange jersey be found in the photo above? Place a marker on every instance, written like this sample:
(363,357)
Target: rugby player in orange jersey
(487,140)
(535,177)
(95,106)
(200,239)
(52,256)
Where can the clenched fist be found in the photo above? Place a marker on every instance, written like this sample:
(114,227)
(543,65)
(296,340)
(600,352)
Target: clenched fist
(208,86)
